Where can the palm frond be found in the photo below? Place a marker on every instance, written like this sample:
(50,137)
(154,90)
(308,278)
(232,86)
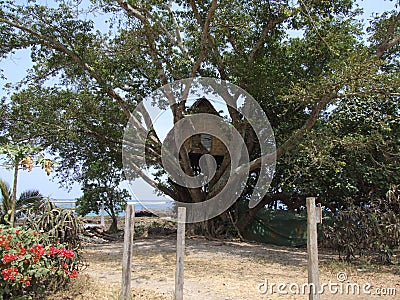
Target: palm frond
(5,193)
(29,199)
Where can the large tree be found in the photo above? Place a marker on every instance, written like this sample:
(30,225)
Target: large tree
(305,63)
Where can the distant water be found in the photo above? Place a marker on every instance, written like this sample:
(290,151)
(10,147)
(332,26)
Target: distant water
(139,205)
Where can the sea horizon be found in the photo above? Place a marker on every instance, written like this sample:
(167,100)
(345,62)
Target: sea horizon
(147,205)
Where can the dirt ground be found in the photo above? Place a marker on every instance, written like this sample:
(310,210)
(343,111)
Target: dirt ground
(225,270)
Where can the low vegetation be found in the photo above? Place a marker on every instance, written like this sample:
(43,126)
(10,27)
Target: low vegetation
(32,264)
(42,255)
(370,229)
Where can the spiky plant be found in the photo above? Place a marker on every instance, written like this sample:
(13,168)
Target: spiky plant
(62,225)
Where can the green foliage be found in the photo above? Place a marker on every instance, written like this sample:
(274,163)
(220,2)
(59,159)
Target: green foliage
(29,200)
(372,228)
(349,157)
(94,195)
(16,152)
(32,265)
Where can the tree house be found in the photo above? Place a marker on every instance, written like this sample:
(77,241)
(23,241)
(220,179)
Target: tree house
(203,143)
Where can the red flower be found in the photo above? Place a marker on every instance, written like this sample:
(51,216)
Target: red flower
(9,258)
(73,274)
(26,280)
(38,250)
(67,253)
(4,243)
(9,273)
(54,251)
(21,252)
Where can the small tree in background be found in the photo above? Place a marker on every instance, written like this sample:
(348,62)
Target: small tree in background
(101,186)
(19,157)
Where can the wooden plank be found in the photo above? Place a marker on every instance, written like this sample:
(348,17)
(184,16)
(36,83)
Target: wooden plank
(180,252)
(312,249)
(127,252)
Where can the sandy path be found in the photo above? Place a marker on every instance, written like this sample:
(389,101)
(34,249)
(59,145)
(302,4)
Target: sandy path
(226,270)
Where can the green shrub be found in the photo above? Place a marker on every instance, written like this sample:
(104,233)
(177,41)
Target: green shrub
(368,229)
(31,265)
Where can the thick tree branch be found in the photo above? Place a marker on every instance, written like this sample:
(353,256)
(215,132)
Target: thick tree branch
(177,39)
(271,25)
(220,63)
(205,29)
(389,41)
(177,111)
(294,139)
(131,11)
(153,183)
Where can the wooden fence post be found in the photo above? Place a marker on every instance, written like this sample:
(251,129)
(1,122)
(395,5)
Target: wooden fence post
(314,216)
(102,223)
(180,252)
(127,254)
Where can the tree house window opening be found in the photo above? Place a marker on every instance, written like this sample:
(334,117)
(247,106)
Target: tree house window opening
(206,141)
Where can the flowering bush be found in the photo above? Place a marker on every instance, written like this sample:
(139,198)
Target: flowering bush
(30,264)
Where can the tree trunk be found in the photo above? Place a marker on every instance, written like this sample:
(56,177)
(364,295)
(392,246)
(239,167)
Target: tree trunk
(114,225)
(217,227)
(14,193)
(250,213)
(114,221)
(245,220)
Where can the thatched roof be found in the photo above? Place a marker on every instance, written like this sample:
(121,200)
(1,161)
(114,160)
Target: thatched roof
(202,105)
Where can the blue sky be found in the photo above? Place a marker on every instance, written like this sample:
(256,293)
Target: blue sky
(15,68)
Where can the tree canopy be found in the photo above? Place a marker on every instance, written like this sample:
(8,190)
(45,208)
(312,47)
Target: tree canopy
(328,85)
